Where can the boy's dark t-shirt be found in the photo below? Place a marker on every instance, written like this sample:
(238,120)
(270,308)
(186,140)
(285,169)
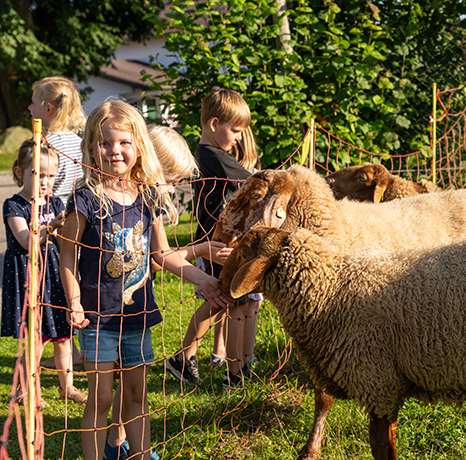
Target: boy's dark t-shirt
(211,194)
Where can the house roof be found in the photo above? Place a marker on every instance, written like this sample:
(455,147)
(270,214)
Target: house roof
(129,72)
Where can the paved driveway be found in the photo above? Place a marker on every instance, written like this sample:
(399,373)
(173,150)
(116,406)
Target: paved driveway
(7,189)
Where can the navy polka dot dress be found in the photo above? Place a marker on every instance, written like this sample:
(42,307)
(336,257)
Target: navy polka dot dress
(54,322)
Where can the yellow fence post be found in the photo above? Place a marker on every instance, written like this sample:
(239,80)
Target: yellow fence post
(434,132)
(33,288)
(312,145)
(308,146)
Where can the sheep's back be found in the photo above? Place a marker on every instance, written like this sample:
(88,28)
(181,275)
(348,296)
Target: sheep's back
(426,220)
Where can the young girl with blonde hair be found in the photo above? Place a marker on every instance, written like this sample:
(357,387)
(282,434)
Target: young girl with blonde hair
(177,163)
(56,101)
(115,217)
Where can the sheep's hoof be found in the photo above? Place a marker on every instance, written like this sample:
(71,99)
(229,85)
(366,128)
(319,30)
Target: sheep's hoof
(308,454)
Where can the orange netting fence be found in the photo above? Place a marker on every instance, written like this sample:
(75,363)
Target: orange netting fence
(187,421)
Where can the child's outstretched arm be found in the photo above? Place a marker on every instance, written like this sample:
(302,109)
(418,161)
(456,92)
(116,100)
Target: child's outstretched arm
(75,223)
(212,250)
(175,263)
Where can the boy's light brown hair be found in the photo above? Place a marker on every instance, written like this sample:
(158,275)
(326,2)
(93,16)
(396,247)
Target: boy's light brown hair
(226,105)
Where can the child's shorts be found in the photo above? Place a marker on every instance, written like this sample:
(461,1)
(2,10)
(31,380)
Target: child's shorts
(133,352)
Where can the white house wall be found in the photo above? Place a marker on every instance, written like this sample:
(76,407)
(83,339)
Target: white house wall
(103,87)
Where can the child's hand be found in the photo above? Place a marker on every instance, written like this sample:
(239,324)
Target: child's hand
(59,221)
(77,318)
(219,252)
(210,290)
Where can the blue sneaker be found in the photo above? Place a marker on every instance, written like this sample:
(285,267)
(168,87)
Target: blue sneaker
(111,453)
(153,455)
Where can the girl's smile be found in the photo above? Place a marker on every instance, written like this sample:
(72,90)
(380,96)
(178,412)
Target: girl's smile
(115,153)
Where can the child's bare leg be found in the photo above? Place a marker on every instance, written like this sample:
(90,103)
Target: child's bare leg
(250,328)
(117,433)
(198,327)
(219,334)
(63,361)
(135,408)
(235,338)
(76,358)
(96,410)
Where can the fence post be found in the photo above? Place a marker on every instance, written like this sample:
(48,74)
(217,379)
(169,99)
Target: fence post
(312,145)
(33,288)
(308,146)
(434,132)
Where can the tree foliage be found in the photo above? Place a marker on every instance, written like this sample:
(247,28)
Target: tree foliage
(74,38)
(362,69)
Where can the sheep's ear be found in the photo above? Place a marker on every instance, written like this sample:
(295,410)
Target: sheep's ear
(379,191)
(248,277)
(275,211)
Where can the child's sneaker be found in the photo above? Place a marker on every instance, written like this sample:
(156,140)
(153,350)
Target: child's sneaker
(243,376)
(217,360)
(185,370)
(72,394)
(116,453)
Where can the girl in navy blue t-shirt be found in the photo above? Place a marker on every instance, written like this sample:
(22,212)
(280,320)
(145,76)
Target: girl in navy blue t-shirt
(17,212)
(114,217)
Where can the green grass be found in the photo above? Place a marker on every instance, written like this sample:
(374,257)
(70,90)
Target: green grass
(269,419)
(6,161)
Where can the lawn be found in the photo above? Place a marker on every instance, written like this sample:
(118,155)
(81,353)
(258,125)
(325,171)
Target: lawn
(268,419)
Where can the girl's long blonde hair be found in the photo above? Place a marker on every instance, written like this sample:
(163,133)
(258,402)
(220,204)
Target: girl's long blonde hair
(173,152)
(245,151)
(146,174)
(63,94)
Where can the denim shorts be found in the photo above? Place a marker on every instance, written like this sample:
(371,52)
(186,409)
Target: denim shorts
(136,346)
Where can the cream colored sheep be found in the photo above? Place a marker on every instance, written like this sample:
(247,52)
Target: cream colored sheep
(374,326)
(373,182)
(299,197)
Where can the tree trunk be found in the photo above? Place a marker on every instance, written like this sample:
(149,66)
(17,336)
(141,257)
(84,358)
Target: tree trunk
(285,27)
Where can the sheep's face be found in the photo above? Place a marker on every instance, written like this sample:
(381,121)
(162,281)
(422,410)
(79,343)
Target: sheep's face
(248,263)
(261,200)
(366,182)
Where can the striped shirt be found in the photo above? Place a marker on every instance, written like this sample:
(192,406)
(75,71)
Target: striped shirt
(69,172)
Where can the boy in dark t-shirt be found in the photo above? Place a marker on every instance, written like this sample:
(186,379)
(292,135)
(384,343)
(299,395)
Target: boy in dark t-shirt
(224,117)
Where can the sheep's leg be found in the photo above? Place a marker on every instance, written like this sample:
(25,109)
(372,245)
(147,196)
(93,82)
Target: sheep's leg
(323,403)
(382,435)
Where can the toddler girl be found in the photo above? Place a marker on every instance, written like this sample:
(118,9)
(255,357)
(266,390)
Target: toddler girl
(17,216)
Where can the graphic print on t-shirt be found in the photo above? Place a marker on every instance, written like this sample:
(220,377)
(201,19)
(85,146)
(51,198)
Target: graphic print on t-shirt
(131,258)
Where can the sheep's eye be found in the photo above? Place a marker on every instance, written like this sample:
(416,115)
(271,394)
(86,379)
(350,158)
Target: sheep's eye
(255,196)
(362,178)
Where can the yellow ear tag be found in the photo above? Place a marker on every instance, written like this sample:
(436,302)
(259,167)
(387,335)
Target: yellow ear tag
(281,213)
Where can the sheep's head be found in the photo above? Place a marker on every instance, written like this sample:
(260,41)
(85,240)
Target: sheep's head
(366,182)
(248,263)
(261,200)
